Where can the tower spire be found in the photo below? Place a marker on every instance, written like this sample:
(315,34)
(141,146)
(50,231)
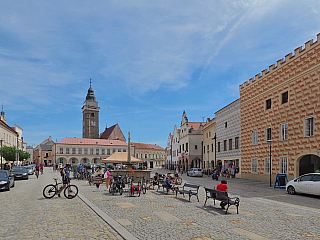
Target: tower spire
(90,82)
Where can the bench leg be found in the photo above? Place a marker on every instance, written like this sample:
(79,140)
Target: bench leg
(237,209)
(205,201)
(227,208)
(197,198)
(189,197)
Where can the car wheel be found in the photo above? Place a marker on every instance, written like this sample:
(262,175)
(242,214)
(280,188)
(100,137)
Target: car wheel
(187,174)
(291,190)
(8,187)
(12,184)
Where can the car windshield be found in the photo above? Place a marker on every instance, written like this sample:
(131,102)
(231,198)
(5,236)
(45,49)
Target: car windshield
(19,169)
(3,174)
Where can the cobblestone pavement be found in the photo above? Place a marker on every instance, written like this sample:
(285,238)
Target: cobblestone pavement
(156,215)
(26,214)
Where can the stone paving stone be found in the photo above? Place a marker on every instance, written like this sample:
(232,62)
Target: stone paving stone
(26,214)
(258,217)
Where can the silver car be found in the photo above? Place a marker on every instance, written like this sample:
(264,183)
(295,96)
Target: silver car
(307,183)
(195,172)
(30,170)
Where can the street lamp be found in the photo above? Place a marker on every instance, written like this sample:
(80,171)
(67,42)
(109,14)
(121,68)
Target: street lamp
(208,162)
(270,142)
(1,151)
(215,150)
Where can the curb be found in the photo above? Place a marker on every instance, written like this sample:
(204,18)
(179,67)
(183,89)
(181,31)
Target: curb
(115,225)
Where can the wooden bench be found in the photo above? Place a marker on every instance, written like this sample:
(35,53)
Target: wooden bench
(223,197)
(190,189)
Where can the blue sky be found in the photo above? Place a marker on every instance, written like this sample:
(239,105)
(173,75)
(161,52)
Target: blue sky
(148,60)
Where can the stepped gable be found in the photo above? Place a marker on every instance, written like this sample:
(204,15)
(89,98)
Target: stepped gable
(289,58)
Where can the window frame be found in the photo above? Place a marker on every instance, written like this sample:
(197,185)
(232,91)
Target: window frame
(284,136)
(267,134)
(230,143)
(236,143)
(254,165)
(219,147)
(311,127)
(283,165)
(254,138)
(267,165)
(225,145)
(266,104)
(281,97)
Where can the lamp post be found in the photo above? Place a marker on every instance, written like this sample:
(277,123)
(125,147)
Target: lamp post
(1,151)
(270,170)
(215,150)
(208,162)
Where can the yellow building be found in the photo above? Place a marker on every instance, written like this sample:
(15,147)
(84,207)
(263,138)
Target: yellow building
(153,155)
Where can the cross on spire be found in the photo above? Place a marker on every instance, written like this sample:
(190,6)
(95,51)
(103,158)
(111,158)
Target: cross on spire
(90,82)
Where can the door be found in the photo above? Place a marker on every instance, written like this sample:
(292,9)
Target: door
(302,185)
(314,186)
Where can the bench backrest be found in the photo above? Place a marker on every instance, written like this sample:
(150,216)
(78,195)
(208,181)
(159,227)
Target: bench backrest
(190,186)
(216,192)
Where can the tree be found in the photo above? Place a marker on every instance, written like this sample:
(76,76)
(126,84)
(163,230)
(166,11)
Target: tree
(23,155)
(9,153)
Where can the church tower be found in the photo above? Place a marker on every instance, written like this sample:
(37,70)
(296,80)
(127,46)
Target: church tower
(90,112)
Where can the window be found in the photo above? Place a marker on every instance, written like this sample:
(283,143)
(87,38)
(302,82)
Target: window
(225,145)
(268,134)
(284,165)
(67,151)
(113,150)
(92,114)
(86,151)
(230,144)
(97,151)
(209,134)
(212,147)
(119,150)
(124,150)
(207,148)
(47,155)
(108,151)
(61,150)
(306,178)
(267,165)
(145,155)
(73,151)
(255,138)
(186,147)
(204,149)
(316,178)
(149,155)
(156,156)
(137,155)
(268,104)
(195,146)
(103,151)
(79,150)
(284,132)
(309,127)
(152,156)
(218,146)
(284,97)
(91,150)
(236,143)
(225,125)
(254,165)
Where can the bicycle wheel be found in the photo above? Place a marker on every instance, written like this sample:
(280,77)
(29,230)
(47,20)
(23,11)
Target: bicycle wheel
(144,188)
(49,191)
(71,191)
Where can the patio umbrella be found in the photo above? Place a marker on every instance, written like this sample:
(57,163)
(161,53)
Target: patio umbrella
(120,157)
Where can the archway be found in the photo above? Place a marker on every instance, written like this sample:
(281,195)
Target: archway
(96,161)
(85,160)
(73,160)
(308,164)
(62,160)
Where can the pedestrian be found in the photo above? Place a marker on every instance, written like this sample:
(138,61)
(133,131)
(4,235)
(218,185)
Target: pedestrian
(65,175)
(233,171)
(107,177)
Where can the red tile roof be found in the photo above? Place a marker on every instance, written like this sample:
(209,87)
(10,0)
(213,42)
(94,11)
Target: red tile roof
(195,125)
(90,141)
(146,146)
(107,132)
(7,127)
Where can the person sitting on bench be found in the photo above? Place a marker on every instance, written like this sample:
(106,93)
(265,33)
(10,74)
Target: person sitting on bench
(154,180)
(170,185)
(224,188)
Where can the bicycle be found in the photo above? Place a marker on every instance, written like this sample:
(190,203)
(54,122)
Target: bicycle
(37,173)
(71,191)
(134,189)
(143,185)
(116,185)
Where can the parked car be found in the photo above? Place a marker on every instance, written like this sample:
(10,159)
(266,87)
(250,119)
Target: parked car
(195,172)
(307,183)
(30,169)
(20,173)
(6,180)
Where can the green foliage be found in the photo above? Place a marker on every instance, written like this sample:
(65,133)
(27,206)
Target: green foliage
(9,153)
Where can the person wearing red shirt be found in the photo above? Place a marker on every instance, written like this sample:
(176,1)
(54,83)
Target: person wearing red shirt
(224,188)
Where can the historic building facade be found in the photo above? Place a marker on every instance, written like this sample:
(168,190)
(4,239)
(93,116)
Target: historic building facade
(153,155)
(228,135)
(190,144)
(209,131)
(281,107)
(42,154)
(90,112)
(86,150)
(169,162)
